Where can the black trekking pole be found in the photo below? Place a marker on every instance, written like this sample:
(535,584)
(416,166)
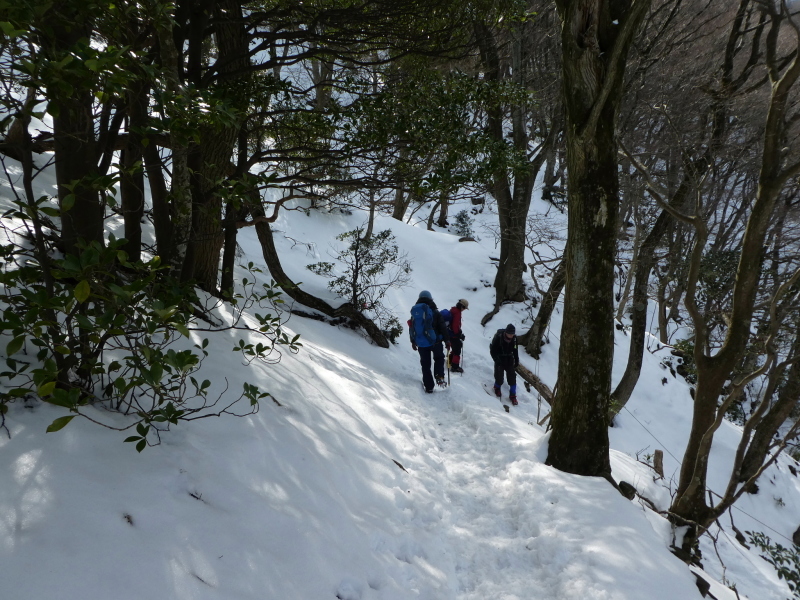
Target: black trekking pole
(448,367)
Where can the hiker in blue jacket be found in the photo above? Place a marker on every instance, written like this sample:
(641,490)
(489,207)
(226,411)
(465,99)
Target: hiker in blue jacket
(428,334)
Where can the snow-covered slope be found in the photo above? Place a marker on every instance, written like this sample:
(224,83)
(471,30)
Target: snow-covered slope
(360,486)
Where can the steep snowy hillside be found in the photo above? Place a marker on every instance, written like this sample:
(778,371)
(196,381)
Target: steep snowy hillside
(360,486)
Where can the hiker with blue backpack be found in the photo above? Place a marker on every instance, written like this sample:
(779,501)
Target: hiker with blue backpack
(505,355)
(428,333)
(452,319)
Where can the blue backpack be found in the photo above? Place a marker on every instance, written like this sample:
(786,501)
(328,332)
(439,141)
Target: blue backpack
(422,332)
(448,318)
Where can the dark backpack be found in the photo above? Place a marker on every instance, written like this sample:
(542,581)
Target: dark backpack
(499,346)
(422,331)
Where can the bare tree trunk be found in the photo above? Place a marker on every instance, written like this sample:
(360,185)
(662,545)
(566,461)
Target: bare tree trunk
(694,171)
(210,165)
(442,222)
(131,186)
(668,303)
(322,76)
(371,217)
(764,435)
(645,263)
(74,139)
(646,260)
(626,291)
(162,223)
(232,216)
(662,312)
(401,200)
(432,214)
(690,502)
(17,139)
(552,174)
(176,239)
(212,159)
(372,202)
(513,200)
(533,339)
(508,281)
(595,39)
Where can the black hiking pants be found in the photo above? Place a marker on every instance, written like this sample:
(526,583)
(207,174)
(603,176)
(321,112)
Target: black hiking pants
(436,353)
(507,368)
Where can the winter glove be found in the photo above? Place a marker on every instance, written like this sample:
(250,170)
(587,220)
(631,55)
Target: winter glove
(447,345)
(413,346)
(462,336)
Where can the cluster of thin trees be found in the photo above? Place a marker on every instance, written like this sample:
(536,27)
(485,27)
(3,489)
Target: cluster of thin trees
(700,161)
(667,128)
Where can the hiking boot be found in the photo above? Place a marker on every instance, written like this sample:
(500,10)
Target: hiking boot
(513,398)
(427,391)
(441,382)
(497,392)
(456,369)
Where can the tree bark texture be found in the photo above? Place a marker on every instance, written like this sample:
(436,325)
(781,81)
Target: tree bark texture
(172,213)
(513,212)
(401,200)
(442,221)
(211,161)
(73,136)
(595,40)
(209,164)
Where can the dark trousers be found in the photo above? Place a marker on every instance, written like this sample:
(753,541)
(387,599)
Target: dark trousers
(455,350)
(437,353)
(505,367)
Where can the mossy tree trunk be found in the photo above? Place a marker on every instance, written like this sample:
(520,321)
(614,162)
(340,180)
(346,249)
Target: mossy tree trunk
(595,40)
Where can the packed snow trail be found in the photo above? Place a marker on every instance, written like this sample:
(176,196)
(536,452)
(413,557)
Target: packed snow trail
(359,486)
(517,529)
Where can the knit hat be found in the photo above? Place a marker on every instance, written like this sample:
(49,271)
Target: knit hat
(463,303)
(511,329)
(425,294)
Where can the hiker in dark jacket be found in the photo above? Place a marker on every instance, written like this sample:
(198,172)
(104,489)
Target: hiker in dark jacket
(505,355)
(453,320)
(428,338)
